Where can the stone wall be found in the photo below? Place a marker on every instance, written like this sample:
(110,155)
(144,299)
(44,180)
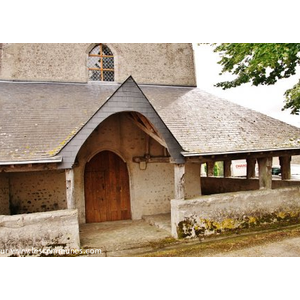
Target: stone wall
(192,180)
(37,191)
(40,231)
(151,189)
(170,64)
(216,185)
(1,46)
(228,212)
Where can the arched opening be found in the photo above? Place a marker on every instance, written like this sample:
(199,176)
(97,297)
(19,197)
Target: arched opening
(107,195)
(101,64)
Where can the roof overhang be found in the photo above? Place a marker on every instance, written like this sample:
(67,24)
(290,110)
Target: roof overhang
(243,153)
(56,159)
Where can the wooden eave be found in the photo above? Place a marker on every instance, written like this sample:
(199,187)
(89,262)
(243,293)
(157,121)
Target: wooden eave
(202,158)
(33,165)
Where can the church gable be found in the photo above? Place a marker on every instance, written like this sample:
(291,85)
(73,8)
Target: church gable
(127,98)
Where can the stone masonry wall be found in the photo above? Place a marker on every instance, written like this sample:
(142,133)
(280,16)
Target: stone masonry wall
(170,64)
(192,180)
(228,212)
(44,62)
(41,231)
(37,191)
(150,190)
(216,185)
(1,46)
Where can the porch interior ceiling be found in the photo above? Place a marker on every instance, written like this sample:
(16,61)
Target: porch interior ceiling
(144,124)
(38,119)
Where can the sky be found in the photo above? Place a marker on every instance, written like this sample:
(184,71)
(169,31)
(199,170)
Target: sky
(268,100)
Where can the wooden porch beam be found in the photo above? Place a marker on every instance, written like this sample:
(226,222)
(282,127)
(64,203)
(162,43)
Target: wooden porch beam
(152,159)
(227,168)
(28,167)
(210,168)
(251,167)
(285,164)
(148,130)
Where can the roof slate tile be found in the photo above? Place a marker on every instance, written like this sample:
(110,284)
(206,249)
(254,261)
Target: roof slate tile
(38,119)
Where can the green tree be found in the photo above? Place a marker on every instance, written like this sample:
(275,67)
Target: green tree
(261,64)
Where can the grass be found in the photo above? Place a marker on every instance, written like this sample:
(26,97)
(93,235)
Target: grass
(208,247)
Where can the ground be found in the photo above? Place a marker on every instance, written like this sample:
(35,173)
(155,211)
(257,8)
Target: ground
(138,238)
(279,243)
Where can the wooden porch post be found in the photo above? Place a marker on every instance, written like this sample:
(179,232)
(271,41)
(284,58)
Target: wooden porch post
(179,171)
(200,180)
(210,168)
(70,188)
(251,168)
(227,168)
(265,172)
(285,164)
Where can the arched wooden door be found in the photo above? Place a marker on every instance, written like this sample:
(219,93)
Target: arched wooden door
(107,195)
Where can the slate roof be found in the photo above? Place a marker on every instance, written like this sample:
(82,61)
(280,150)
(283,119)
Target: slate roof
(204,123)
(38,119)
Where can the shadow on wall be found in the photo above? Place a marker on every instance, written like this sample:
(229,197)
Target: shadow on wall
(30,192)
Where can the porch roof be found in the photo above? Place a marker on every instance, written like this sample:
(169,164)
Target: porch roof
(38,119)
(205,124)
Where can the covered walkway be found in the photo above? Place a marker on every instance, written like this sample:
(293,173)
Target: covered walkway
(121,238)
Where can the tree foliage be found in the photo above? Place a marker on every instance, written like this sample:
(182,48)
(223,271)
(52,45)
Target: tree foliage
(261,64)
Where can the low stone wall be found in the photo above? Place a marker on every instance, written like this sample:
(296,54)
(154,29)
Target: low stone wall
(219,213)
(46,230)
(216,185)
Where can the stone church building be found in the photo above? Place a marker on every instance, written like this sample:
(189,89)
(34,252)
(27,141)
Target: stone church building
(118,131)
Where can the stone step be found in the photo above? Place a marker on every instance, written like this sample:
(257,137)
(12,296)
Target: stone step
(162,221)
